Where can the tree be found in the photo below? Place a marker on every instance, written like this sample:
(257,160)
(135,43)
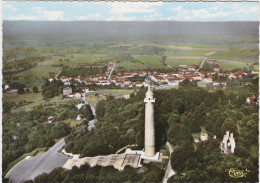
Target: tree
(229,125)
(87,112)
(173,119)
(35,89)
(60,130)
(20,90)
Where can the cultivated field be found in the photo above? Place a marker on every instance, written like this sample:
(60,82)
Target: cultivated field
(33,59)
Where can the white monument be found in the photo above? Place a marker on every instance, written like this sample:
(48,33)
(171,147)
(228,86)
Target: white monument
(149,124)
(232,143)
(228,143)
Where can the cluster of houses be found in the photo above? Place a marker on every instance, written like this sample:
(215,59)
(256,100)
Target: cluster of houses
(204,79)
(102,79)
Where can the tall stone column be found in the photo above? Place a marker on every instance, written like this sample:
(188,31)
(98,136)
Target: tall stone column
(149,124)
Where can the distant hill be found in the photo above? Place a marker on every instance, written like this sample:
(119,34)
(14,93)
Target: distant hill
(129,27)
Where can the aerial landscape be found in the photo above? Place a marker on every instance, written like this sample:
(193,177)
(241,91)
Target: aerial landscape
(118,100)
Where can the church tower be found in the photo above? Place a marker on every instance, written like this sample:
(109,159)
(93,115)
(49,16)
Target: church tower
(149,124)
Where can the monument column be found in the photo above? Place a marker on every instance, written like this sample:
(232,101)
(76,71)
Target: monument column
(149,124)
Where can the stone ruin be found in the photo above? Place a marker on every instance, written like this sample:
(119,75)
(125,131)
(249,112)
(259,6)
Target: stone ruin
(228,144)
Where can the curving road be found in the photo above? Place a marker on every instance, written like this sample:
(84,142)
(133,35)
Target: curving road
(169,171)
(45,162)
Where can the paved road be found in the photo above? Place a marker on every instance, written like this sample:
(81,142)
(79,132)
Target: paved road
(11,91)
(56,77)
(109,76)
(201,65)
(169,171)
(45,162)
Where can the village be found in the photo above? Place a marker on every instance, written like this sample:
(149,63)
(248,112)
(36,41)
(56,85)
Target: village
(204,79)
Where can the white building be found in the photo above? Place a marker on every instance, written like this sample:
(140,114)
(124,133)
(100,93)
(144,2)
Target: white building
(203,136)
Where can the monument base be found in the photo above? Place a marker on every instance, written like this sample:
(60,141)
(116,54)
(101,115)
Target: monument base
(145,159)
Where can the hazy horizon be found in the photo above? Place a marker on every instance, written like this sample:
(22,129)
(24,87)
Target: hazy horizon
(129,27)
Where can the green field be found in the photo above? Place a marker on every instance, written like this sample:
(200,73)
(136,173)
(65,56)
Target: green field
(232,64)
(194,53)
(35,76)
(152,62)
(256,67)
(29,97)
(77,59)
(177,62)
(237,54)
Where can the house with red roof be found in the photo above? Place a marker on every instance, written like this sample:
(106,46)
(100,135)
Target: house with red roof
(65,78)
(174,81)
(85,89)
(89,82)
(252,100)
(240,74)
(216,69)
(139,84)
(232,77)
(216,83)
(224,83)
(192,68)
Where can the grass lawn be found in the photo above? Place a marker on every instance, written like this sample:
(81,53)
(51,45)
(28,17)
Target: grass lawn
(119,92)
(73,123)
(177,62)
(197,135)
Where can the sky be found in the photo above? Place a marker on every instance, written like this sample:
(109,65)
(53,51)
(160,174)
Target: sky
(131,11)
